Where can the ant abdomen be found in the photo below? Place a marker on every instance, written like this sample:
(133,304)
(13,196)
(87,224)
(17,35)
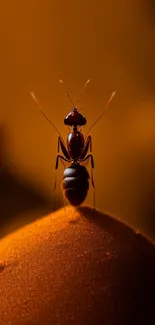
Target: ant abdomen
(75,184)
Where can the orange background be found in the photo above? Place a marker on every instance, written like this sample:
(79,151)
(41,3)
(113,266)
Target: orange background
(111,42)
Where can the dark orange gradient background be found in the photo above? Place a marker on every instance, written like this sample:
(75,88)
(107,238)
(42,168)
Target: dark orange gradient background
(111,42)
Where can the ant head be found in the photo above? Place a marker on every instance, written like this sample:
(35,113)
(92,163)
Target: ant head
(74,118)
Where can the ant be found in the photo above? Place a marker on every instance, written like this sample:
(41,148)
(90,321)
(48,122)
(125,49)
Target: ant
(76,178)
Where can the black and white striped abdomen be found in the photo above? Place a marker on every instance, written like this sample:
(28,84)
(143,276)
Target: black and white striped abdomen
(75,184)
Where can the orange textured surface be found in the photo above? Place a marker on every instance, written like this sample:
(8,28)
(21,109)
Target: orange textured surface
(89,270)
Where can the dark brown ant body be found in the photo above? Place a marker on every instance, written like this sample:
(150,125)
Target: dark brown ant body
(76,178)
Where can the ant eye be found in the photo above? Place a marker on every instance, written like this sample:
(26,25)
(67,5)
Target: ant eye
(83,121)
(66,122)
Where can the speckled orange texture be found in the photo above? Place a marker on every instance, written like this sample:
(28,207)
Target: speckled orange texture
(89,270)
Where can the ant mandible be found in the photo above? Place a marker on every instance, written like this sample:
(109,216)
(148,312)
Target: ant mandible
(75,182)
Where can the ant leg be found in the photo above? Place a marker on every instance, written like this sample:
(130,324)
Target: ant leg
(55,180)
(94,198)
(63,199)
(92,178)
(56,168)
(60,157)
(88,144)
(89,156)
(63,148)
(54,187)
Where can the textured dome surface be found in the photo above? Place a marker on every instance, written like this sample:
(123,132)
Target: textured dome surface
(91,269)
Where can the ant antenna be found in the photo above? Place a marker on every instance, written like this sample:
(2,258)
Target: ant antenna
(82,91)
(67,92)
(108,103)
(39,107)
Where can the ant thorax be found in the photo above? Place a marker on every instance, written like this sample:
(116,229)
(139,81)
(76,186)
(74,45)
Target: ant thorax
(75,143)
